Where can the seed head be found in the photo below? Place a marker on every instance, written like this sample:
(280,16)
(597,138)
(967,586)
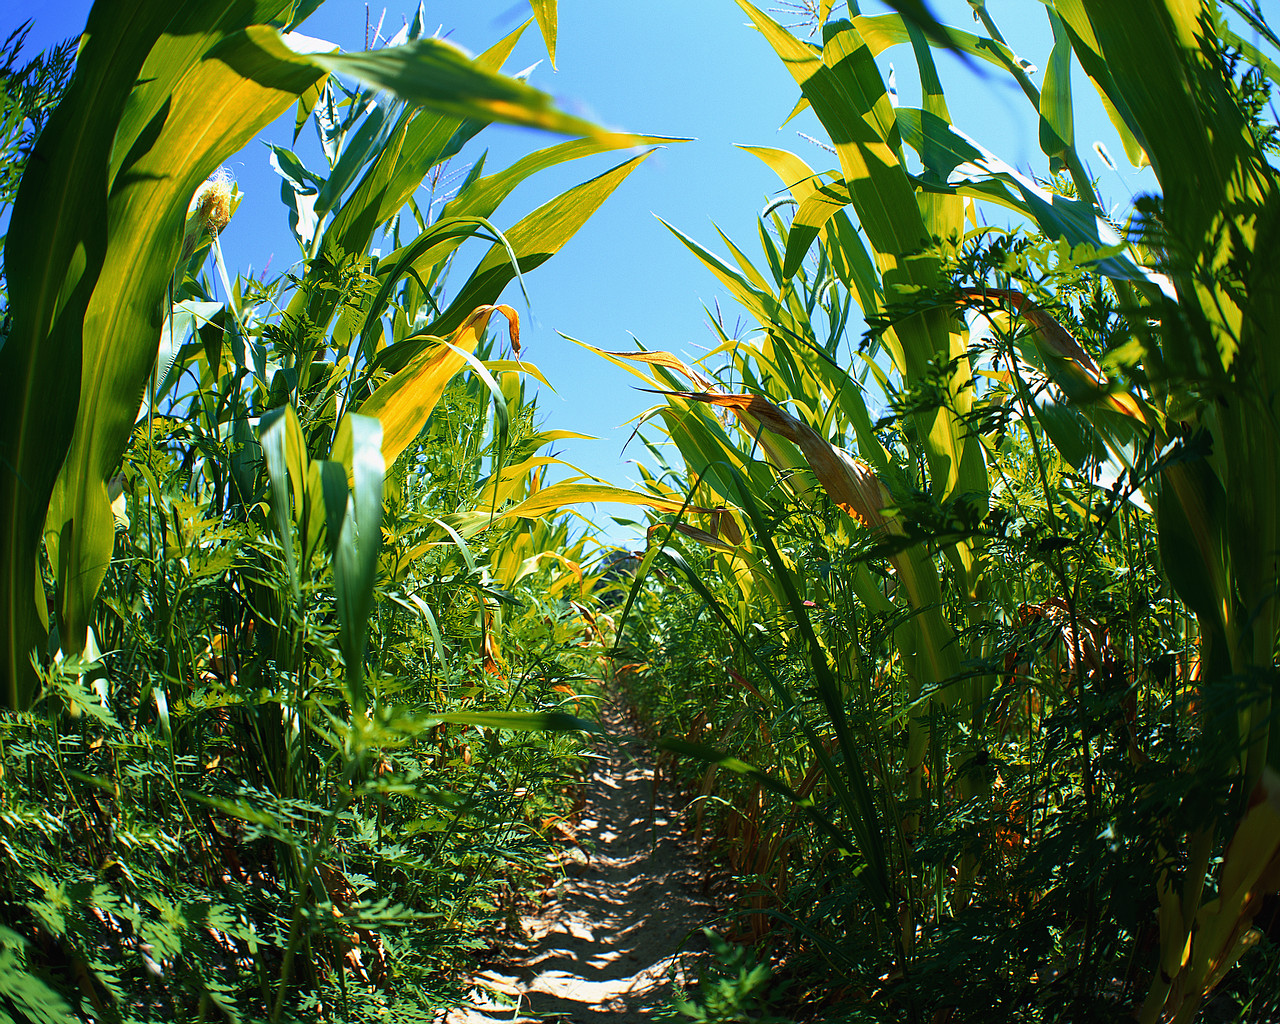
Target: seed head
(213,201)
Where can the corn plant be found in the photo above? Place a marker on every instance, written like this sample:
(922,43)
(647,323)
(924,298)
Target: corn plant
(938,493)
(1200,365)
(70,402)
(318,502)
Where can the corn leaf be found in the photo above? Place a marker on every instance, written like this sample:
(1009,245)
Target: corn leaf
(1057,119)
(535,239)
(570,492)
(355,562)
(545,12)
(215,106)
(54,255)
(435,74)
(535,721)
(403,404)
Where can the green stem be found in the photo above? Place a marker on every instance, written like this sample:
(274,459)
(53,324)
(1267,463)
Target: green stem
(1058,567)
(299,905)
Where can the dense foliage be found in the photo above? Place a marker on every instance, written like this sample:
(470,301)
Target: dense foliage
(29,90)
(957,616)
(300,736)
(980,629)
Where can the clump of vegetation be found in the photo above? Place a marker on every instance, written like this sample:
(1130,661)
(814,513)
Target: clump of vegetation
(29,90)
(298,702)
(957,619)
(973,671)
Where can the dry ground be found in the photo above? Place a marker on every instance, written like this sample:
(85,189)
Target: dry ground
(623,920)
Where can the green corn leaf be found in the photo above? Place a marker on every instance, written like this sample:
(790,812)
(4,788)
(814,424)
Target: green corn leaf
(181,325)
(917,13)
(722,759)
(811,217)
(283,447)
(204,110)
(435,74)
(480,197)
(708,451)
(845,90)
(882,31)
(1057,120)
(55,252)
(437,638)
(1252,54)
(846,249)
(993,179)
(329,492)
(847,93)
(422,140)
(356,558)
(535,239)
(1094,65)
(433,137)
(760,302)
(1190,511)
(306,104)
(240,809)
(445,233)
(1071,432)
(537,721)
(369,142)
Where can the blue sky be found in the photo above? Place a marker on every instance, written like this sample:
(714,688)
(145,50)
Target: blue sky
(670,67)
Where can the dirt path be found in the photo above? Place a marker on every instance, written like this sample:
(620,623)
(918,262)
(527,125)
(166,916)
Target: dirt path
(619,924)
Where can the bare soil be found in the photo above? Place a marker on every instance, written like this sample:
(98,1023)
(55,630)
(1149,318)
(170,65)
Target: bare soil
(623,922)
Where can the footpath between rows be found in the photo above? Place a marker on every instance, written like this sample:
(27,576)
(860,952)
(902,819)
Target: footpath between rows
(621,924)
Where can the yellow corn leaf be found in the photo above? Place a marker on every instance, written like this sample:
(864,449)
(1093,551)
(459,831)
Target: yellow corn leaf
(512,479)
(666,360)
(518,569)
(496,366)
(403,404)
(572,492)
(626,361)
(547,436)
(1250,869)
(548,24)
(617,360)
(797,175)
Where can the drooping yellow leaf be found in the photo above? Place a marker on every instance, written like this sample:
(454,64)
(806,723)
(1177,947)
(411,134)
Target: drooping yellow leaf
(666,360)
(1055,340)
(850,483)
